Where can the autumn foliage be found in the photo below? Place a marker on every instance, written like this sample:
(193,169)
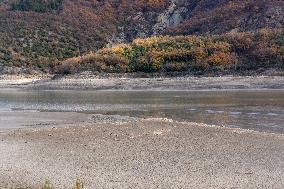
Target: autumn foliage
(41,34)
(228,52)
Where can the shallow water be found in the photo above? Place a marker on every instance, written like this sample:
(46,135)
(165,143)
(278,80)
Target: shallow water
(261,110)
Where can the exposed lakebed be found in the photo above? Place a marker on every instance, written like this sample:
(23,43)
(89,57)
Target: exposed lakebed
(261,110)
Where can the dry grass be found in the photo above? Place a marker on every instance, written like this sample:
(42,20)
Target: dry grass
(48,185)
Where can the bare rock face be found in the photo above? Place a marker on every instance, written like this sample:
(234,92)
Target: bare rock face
(172,16)
(141,28)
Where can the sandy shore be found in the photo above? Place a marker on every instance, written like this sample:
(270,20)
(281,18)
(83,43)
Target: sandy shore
(126,83)
(141,153)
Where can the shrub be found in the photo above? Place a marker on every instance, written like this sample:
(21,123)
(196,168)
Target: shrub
(199,53)
(68,67)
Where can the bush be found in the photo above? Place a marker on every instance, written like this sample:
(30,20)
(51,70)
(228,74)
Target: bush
(264,49)
(68,68)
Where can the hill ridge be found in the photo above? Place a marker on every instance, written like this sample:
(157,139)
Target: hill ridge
(40,35)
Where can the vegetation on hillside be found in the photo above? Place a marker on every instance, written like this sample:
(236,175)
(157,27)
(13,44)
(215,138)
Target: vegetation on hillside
(38,34)
(229,52)
(221,16)
(36,5)
(36,39)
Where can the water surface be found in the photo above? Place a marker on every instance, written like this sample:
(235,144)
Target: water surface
(261,110)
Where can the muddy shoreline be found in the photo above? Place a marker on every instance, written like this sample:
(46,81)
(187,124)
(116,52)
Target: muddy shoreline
(94,82)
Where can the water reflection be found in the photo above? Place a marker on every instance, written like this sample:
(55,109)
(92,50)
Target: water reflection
(259,110)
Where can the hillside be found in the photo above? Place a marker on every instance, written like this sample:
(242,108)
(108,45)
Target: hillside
(40,33)
(219,16)
(227,53)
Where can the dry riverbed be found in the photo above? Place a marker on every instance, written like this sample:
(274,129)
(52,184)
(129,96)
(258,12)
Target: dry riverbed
(108,152)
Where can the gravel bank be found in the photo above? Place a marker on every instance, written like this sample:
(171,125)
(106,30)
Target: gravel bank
(168,83)
(27,119)
(142,153)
